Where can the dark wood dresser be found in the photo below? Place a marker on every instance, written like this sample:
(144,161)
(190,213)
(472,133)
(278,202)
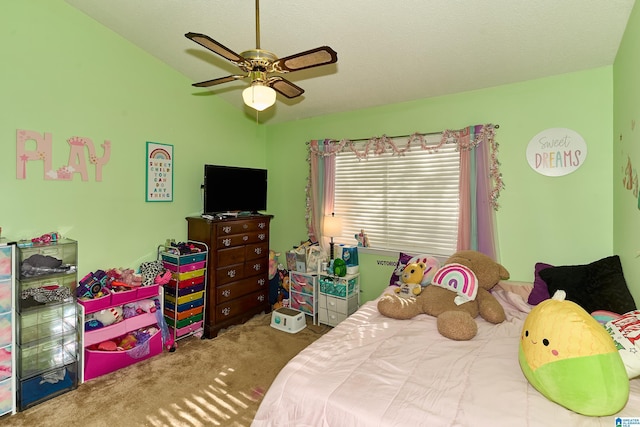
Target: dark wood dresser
(237,274)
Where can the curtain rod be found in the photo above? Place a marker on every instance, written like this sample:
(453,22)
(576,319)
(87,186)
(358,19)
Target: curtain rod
(401,136)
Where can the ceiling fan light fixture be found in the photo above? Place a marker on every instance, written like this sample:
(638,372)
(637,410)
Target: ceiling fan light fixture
(258,96)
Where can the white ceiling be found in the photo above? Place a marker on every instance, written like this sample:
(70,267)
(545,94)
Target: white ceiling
(388,51)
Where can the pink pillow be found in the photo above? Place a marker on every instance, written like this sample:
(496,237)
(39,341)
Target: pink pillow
(540,292)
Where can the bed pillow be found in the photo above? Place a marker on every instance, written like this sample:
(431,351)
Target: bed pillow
(523,289)
(431,263)
(403,260)
(570,359)
(596,286)
(540,292)
(624,330)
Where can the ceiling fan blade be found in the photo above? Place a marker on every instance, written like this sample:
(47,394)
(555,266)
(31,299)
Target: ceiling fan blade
(218,48)
(311,58)
(285,87)
(218,81)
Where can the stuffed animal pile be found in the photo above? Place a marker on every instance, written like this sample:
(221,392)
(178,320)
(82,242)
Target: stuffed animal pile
(100,283)
(455,309)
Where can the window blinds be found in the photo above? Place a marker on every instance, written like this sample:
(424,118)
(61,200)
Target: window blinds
(403,202)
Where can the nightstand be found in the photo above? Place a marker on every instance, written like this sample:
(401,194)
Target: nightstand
(338,297)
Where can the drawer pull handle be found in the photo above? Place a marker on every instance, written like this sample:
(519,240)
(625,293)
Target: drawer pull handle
(226,293)
(258,251)
(245,238)
(261,282)
(226,242)
(245,226)
(261,298)
(231,273)
(256,267)
(226,311)
(226,229)
(262,236)
(262,225)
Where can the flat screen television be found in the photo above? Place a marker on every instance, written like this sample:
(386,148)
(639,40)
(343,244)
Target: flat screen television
(234,189)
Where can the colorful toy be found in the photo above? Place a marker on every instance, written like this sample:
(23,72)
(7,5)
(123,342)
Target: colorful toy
(135,308)
(127,342)
(410,280)
(151,270)
(455,321)
(571,359)
(108,316)
(283,291)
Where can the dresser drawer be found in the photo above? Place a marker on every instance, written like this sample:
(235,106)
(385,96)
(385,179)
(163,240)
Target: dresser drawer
(257,250)
(230,256)
(237,289)
(242,239)
(338,305)
(242,226)
(256,266)
(229,274)
(240,305)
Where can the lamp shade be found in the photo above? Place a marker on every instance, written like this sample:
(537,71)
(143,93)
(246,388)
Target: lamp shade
(332,226)
(259,96)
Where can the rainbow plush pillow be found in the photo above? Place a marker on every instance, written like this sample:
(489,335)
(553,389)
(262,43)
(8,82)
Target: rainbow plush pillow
(571,359)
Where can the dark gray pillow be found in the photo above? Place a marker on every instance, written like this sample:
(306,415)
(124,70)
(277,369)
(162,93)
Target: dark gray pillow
(596,286)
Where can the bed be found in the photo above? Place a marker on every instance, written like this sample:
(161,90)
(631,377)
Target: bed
(372,370)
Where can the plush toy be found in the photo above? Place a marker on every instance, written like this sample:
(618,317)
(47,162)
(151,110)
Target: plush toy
(149,271)
(109,316)
(273,263)
(571,359)
(410,280)
(283,292)
(135,308)
(456,319)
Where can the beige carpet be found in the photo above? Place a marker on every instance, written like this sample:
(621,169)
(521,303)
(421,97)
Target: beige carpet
(216,382)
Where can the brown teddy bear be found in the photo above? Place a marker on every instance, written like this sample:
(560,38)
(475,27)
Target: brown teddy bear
(456,322)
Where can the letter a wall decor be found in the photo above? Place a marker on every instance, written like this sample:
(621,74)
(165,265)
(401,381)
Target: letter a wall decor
(159,172)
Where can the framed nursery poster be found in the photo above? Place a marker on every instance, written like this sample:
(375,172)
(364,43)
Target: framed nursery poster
(159,186)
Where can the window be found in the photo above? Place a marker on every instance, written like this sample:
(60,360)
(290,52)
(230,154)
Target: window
(403,202)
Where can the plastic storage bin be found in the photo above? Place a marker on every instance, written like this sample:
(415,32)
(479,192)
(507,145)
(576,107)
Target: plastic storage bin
(99,363)
(45,386)
(337,286)
(37,293)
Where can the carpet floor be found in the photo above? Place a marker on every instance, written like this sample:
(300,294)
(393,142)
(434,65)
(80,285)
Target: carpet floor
(204,382)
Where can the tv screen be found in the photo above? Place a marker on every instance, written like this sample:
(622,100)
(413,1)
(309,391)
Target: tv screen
(234,189)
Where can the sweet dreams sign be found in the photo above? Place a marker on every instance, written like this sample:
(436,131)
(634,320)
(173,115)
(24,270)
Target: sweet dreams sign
(556,152)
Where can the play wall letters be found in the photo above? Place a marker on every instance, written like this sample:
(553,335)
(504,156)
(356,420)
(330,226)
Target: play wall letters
(80,149)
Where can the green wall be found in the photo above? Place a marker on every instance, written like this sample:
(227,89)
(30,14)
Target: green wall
(626,149)
(561,220)
(67,75)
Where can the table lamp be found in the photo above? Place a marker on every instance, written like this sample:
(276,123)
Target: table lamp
(332,228)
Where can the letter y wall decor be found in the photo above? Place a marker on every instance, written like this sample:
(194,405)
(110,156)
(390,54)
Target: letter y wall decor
(32,146)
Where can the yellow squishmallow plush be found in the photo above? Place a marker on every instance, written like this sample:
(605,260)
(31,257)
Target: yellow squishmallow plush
(571,359)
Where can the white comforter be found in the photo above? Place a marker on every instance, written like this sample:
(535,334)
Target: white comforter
(371,370)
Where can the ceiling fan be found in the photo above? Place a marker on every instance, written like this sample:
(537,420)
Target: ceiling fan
(259,65)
